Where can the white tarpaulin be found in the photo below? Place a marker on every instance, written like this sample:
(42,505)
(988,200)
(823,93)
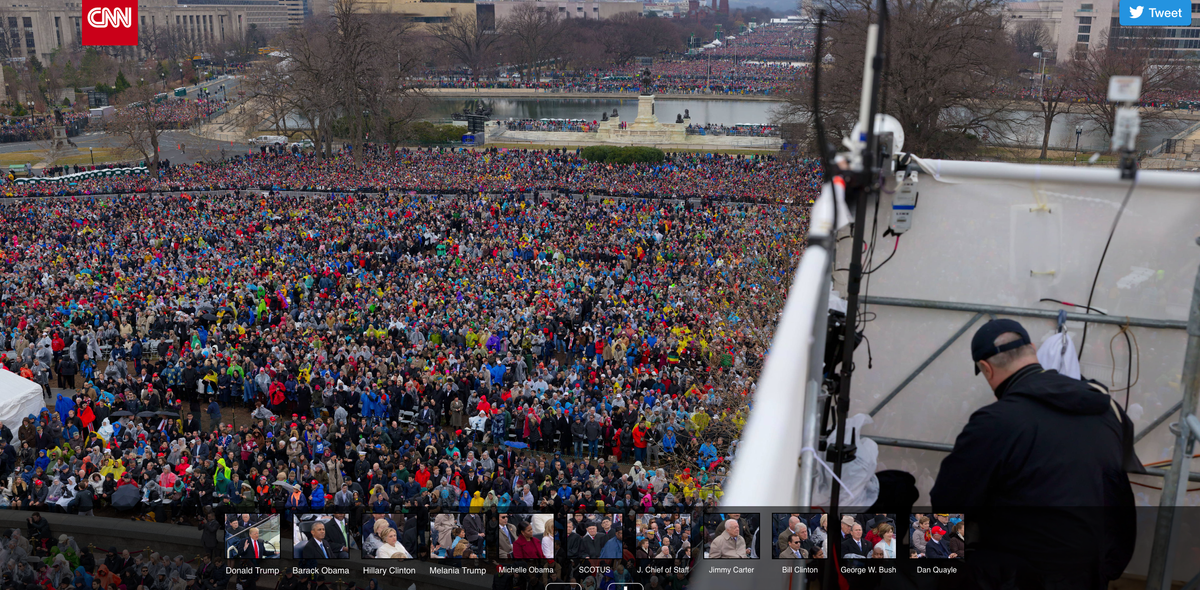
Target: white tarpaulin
(19,397)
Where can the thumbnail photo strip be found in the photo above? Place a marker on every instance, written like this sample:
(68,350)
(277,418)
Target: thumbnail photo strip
(252,536)
(595,536)
(394,536)
(458,536)
(324,536)
(938,536)
(533,537)
(663,536)
(731,535)
(799,536)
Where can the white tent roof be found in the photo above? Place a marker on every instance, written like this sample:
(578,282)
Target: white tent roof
(19,397)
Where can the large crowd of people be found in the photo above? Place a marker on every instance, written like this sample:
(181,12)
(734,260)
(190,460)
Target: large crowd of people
(687,75)
(557,125)
(761,179)
(179,113)
(40,127)
(765,61)
(735,130)
(79,566)
(388,348)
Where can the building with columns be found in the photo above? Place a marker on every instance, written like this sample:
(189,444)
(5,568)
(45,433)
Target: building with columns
(42,26)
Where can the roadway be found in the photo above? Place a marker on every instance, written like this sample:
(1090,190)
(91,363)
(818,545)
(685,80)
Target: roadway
(180,147)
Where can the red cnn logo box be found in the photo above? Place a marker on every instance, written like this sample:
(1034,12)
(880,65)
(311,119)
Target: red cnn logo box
(110,22)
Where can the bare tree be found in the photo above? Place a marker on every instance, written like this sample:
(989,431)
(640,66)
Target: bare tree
(374,59)
(348,73)
(944,60)
(296,88)
(140,122)
(10,35)
(1136,52)
(170,42)
(464,39)
(1029,37)
(1054,98)
(629,35)
(535,35)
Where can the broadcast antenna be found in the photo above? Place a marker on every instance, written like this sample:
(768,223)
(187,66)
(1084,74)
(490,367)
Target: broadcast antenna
(862,183)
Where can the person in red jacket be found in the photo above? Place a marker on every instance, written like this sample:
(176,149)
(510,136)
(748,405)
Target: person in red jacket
(526,547)
(639,443)
(278,395)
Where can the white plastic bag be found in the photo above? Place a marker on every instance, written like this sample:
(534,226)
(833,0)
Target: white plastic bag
(861,487)
(1052,355)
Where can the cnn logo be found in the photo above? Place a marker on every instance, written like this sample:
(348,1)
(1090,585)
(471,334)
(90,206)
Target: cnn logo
(110,22)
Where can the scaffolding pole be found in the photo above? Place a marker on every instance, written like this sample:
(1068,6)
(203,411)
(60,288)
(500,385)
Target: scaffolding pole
(1159,576)
(923,445)
(1025,312)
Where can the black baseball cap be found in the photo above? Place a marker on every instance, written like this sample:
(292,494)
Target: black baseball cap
(983,344)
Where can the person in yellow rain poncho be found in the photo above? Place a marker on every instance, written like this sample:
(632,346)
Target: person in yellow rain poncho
(222,470)
(477,503)
(112,467)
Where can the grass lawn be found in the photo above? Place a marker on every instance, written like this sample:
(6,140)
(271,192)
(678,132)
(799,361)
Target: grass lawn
(69,157)
(1053,156)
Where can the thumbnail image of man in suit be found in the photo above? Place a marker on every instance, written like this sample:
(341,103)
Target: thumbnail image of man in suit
(253,548)
(507,534)
(317,548)
(338,535)
(793,548)
(593,543)
(729,544)
(855,545)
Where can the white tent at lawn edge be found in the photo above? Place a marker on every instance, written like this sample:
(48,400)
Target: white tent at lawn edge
(19,397)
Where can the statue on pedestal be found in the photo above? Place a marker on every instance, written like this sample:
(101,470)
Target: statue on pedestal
(647,82)
(58,117)
(686,114)
(678,118)
(614,115)
(604,116)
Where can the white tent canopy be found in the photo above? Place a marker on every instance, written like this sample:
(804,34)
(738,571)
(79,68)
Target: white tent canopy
(19,397)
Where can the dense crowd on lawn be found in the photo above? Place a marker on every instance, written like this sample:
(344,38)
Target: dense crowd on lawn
(737,178)
(395,349)
(776,42)
(739,130)
(175,113)
(763,62)
(559,125)
(690,76)
(39,127)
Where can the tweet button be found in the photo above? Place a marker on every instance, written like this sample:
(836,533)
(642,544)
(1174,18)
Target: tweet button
(1156,13)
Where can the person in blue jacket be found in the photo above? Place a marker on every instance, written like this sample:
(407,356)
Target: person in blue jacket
(668,441)
(317,499)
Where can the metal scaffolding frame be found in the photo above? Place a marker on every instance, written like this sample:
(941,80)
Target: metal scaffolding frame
(1186,430)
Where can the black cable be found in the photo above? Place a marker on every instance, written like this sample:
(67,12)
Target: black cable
(1096,278)
(885,260)
(869,359)
(870,258)
(1071,304)
(1129,369)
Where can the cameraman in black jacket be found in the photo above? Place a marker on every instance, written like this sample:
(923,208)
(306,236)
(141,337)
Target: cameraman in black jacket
(1042,472)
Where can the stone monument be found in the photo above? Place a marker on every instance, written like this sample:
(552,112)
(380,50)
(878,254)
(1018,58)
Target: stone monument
(645,118)
(60,129)
(645,129)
